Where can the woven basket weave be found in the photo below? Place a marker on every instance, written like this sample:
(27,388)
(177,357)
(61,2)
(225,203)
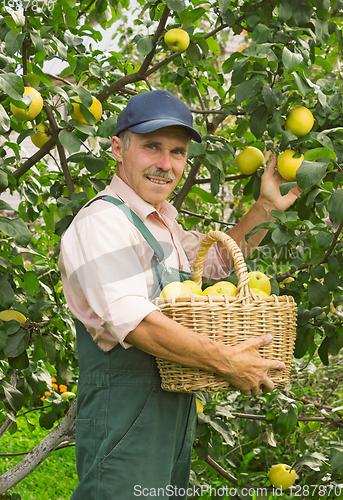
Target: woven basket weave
(229,320)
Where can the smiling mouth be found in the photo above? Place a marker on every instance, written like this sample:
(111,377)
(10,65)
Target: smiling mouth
(158,181)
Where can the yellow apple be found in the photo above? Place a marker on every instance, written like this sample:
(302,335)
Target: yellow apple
(281,476)
(35,107)
(210,290)
(261,293)
(10,314)
(95,109)
(200,406)
(299,121)
(225,288)
(40,137)
(196,289)
(260,281)
(177,39)
(176,289)
(249,160)
(287,165)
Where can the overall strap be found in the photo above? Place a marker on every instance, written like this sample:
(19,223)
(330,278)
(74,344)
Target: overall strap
(136,221)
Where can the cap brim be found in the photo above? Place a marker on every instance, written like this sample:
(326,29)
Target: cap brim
(152,125)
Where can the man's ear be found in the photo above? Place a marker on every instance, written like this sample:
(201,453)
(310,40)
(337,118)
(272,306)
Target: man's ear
(117,148)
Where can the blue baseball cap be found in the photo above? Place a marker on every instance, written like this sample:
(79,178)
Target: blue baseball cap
(150,111)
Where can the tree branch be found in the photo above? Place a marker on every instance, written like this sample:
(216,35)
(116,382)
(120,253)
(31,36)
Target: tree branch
(62,432)
(190,181)
(142,72)
(61,151)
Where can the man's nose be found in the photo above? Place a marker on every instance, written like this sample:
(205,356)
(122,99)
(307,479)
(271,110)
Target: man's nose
(164,160)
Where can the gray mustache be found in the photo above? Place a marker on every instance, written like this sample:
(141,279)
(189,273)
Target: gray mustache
(158,172)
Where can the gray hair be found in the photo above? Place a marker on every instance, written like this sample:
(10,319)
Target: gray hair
(125,137)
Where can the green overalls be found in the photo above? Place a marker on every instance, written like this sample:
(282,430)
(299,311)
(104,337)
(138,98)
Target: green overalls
(133,439)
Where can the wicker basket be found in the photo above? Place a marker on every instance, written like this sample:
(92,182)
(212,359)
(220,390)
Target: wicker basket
(229,320)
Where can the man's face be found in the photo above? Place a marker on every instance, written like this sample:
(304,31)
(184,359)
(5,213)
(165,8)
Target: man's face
(154,162)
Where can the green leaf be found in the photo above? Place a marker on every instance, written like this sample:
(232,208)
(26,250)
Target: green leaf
(37,40)
(14,42)
(6,293)
(263,225)
(258,121)
(49,347)
(310,173)
(16,343)
(213,46)
(12,85)
(336,461)
(247,90)
(3,336)
(281,237)
(204,195)
(196,149)
(322,31)
(312,460)
(302,13)
(315,153)
(14,397)
(3,176)
(177,5)
(261,34)
(94,165)
(324,240)
(107,127)
(269,97)
(31,283)
(47,420)
(291,60)
(302,86)
(20,362)
(70,141)
(193,53)
(284,216)
(17,229)
(144,46)
(335,206)
(18,18)
(252,428)
(318,294)
(285,11)
(4,125)
(223,429)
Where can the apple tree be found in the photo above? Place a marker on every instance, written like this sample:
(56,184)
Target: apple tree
(246,66)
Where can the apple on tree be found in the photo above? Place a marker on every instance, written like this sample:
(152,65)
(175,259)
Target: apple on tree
(282,476)
(249,160)
(299,121)
(177,39)
(288,164)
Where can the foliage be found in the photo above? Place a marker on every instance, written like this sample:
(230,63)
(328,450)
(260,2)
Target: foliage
(290,54)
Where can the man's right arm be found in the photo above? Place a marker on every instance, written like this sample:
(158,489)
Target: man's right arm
(241,365)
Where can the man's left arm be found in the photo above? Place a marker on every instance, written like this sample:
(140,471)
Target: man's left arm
(269,199)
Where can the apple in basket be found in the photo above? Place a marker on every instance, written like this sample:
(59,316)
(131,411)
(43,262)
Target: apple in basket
(220,288)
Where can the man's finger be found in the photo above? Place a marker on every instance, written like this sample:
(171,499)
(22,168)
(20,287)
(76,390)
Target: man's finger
(264,340)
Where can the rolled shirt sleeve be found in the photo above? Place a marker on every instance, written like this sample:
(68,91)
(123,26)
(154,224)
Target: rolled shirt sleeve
(106,274)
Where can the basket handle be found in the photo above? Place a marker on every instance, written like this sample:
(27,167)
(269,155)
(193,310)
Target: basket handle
(243,288)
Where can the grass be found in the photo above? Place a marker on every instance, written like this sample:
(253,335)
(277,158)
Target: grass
(54,479)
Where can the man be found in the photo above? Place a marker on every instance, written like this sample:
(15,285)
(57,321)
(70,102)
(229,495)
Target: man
(132,438)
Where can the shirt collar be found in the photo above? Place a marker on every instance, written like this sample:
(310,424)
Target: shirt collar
(143,209)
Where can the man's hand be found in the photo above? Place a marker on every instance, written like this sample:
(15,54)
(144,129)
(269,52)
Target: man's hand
(270,196)
(248,370)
